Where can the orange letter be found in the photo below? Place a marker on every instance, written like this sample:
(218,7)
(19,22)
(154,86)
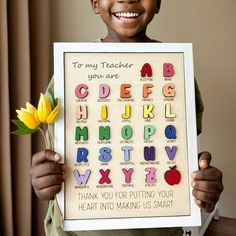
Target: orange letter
(168,90)
(146,90)
(81,112)
(124,92)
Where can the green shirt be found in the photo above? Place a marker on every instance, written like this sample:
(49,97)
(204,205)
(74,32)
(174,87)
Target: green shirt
(53,227)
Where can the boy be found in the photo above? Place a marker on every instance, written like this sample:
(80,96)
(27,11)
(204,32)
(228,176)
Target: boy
(126,21)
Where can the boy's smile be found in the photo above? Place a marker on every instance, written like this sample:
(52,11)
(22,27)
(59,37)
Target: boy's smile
(127,17)
(126,20)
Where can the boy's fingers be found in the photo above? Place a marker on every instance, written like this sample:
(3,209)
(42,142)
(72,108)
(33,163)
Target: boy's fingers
(209,208)
(48,193)
(46,155)
(207,186)
(47,168)
(205,197)
(204,160)
(200,203)
(205,206)
(47,181)
(210,174)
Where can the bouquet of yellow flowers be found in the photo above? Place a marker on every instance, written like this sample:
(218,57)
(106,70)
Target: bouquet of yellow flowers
(31,119)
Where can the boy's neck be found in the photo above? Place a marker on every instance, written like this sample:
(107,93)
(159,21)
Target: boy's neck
(139,38)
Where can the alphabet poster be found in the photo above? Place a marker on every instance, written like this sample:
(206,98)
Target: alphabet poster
(127,132)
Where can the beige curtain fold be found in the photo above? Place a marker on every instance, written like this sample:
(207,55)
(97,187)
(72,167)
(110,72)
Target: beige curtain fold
(24,73)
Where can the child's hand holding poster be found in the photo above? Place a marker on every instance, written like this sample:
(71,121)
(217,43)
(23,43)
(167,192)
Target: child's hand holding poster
(127,132)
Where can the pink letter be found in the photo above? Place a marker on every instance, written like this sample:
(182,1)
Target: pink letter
(78,91)
(104,90)
(128,174)
(150,176)
(168,70)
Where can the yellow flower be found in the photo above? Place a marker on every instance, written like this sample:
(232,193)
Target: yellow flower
(31,118)
(28,116)
(45,113)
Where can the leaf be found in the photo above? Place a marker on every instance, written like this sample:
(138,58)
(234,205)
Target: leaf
(24,132)
(20,124)
(51,99)
(22,128)
(56,101)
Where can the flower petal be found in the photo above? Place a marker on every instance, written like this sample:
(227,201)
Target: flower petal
(30,108)
(28,119)
(53,115)
(44,108)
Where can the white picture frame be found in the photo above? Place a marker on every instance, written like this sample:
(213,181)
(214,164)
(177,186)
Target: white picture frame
(74,61)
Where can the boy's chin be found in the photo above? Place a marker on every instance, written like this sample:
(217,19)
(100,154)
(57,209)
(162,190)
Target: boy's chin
(127,36)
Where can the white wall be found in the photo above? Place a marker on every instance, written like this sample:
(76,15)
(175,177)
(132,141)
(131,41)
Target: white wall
(210,26)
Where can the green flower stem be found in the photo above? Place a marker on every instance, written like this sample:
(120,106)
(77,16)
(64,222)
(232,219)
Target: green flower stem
(49,135)
(44,137)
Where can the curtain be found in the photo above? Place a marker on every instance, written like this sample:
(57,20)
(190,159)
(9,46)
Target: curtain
(24,73)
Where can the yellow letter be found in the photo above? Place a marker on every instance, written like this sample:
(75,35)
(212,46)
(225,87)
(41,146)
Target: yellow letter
(104,112)
(168,113)
(127,113)
(147,111)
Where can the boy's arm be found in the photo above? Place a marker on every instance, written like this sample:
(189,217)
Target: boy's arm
(199,108)
(207,181)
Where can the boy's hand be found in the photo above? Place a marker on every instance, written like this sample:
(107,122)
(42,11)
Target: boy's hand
(47,174)
(207,183)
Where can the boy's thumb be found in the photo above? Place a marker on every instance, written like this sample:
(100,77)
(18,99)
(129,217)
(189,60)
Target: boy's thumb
(57,157)
(204,160)
(45,155)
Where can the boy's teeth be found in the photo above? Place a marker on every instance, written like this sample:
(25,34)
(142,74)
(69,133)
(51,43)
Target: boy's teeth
(127,14)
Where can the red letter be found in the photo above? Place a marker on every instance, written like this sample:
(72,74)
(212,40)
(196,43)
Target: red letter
(146,70)
(104,177)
